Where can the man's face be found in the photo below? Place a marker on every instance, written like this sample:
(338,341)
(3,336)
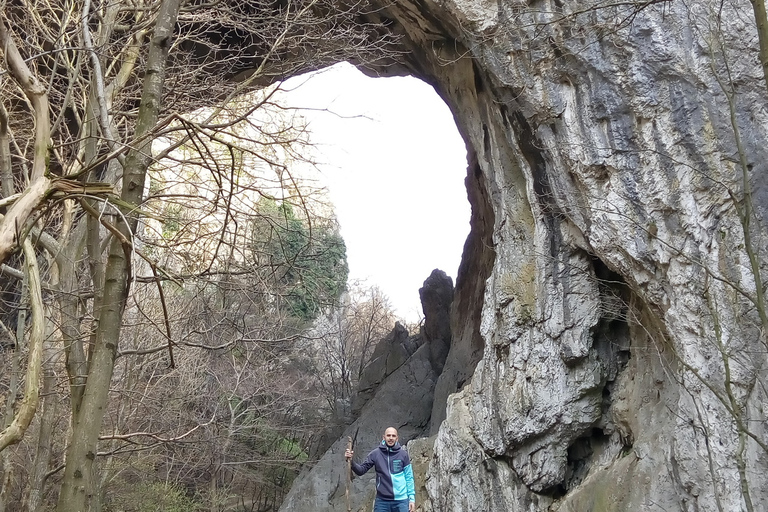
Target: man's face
(390,436)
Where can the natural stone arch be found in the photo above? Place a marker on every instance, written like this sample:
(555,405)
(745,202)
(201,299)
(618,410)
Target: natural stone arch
(594,149)
(599,144)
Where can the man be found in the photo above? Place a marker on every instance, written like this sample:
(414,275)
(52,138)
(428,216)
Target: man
(395,491)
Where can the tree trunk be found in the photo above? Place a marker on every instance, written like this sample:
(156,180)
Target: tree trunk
(78,487)
(6,176)
(13,387)
(74,351)
(761,21)
(42,457)
(13,433)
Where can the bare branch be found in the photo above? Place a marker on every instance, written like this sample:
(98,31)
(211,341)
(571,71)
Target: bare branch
(15,431)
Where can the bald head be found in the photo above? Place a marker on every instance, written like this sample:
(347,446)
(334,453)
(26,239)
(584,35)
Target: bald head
(390,436)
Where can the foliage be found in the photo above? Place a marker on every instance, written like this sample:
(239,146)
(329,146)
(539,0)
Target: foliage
(234,413)
(152,497)
(308,258)
(135,142)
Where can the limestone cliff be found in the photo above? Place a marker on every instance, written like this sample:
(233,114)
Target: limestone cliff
(609,331)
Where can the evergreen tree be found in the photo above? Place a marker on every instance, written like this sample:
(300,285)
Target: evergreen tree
(306,257)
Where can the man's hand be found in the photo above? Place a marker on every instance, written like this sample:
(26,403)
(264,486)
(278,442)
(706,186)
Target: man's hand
(348,455)
(411,506)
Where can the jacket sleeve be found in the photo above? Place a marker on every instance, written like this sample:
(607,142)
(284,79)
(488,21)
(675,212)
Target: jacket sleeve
(410,487)
(361,469)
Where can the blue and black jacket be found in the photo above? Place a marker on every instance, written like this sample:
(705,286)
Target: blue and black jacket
(394,474)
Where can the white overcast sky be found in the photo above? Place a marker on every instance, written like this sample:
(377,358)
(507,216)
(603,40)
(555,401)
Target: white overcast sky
(395,176)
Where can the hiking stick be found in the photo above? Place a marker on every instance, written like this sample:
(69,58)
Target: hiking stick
(349,474)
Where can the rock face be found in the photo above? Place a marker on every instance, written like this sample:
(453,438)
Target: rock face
(621,304)
(394,350)
(389,355)
(609,332)
(436,297)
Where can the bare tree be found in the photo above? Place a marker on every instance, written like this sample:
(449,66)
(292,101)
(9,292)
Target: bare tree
(344,342)
(87,91)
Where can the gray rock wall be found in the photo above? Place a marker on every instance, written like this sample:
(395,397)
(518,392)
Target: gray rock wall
(608,289)
(623,363)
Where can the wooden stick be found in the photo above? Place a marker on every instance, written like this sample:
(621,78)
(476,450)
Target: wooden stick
(349,474)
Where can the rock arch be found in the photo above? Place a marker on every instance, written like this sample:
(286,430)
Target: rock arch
(598,292)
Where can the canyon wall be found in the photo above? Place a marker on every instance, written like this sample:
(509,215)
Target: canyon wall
(609,332)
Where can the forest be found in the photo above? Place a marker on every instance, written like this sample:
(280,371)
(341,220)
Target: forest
(177,331)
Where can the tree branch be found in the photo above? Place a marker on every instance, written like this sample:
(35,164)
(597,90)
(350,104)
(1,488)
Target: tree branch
(26,412)
(35,193)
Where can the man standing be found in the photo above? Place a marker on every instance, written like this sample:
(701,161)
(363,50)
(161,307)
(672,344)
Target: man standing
(395,491)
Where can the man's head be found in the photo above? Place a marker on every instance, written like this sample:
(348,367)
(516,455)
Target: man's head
(390,436)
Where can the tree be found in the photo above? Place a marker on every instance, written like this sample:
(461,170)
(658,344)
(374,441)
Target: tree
(343,343)
(225,423)
(89,89)
(308,258)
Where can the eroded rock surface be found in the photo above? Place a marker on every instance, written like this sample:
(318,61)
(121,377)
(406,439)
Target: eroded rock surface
(615,332)
(394,350)
(436,297)
(609,287)
(389,355)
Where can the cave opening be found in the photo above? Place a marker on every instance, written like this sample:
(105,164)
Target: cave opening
(394,162)
(612,336)
(612,344)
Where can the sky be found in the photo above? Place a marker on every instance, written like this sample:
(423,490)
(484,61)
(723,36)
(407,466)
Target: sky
(394,164)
